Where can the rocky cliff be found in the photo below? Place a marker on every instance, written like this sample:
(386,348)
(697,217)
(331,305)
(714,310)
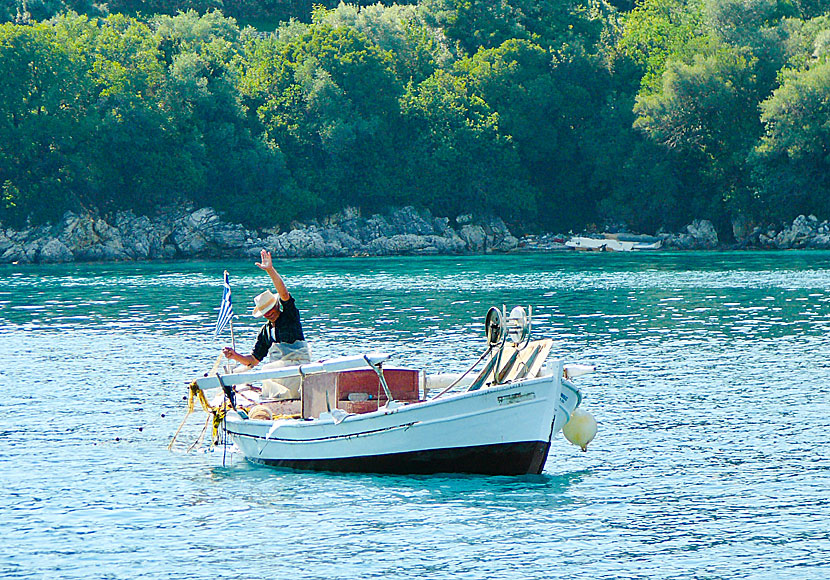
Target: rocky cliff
(805,232)
(203,234)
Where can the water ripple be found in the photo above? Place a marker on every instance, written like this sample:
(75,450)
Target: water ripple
(712,398)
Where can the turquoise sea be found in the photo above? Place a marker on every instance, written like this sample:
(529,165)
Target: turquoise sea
(712,396)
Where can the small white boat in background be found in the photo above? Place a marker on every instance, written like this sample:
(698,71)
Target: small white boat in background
(614,243)
(357,415)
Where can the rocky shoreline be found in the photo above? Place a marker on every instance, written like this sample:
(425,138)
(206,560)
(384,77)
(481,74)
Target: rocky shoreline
(806,232)
(201,233)
(188,233)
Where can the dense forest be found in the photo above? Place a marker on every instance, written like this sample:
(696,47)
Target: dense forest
(551,114)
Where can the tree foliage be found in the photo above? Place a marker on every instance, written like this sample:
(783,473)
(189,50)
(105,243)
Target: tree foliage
(550,114)
(794,153)
(44,100)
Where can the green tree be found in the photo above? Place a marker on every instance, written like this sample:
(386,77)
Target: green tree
(329,101)
(758,29)
(456,160)
(137,156)
(26,11)
(400,30)
(189,31)
(475,24)
(659,30)
(151,7)
(43,102)
(705,117)
(239,170)
(811,8)
(793,158)
(548,103)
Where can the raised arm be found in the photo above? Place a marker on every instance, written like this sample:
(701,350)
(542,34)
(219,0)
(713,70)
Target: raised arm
(267,265)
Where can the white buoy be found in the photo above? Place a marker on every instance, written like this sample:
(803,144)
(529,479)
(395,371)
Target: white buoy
(580,429)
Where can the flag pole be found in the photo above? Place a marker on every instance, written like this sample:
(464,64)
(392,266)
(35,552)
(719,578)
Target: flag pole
(233,339)
(226,313)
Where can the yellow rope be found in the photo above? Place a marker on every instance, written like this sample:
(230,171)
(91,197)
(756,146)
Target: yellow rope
(192,396)
(216,365)
(198,394)
(201,435)
(216,413)
(218,417)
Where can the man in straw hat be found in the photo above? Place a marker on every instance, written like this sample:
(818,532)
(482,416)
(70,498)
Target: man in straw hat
(282,335)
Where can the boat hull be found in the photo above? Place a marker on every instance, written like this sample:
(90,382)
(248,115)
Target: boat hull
(503,430)
(499,459)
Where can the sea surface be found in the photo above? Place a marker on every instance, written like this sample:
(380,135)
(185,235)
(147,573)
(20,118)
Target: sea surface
(712,395)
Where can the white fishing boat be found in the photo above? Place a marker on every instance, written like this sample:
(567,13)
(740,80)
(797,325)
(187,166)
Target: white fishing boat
(613,243)
(356,413)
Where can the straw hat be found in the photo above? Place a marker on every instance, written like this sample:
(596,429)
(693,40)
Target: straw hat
(264,302)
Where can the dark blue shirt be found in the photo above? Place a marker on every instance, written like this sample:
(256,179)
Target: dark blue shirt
(287,329)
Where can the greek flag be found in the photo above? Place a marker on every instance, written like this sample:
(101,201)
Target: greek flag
(226,309)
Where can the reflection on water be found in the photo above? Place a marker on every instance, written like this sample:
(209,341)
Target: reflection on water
(532,492)
(711,396)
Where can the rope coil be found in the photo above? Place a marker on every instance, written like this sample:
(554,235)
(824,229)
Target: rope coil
(197,394)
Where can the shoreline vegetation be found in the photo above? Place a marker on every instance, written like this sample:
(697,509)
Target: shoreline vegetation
(641,116)
(178,233)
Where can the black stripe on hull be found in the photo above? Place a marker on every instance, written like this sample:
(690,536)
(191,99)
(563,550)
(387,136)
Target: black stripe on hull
(527,457)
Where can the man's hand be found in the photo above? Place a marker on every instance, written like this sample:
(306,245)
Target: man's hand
(266,264)
(248,360)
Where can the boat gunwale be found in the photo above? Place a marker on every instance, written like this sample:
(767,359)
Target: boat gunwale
(409,407)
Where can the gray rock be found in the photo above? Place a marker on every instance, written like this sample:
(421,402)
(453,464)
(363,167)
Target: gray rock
(203,216)
(202,233)
(704,234)
(407,220)
(798,234)
(302,243)
(143,238)
(474,237)
(188,240)
(30,251)
(499,237)
(55,251)
(91,238)
(412,244)
(819,242)
(375,227)
(397,244)
(231,237)
(340,243)
(441,226)
(365,229)
(447,244)
(679,241)
(14,254)
(742,228)
(753,238)
(5,242)
(192,233)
